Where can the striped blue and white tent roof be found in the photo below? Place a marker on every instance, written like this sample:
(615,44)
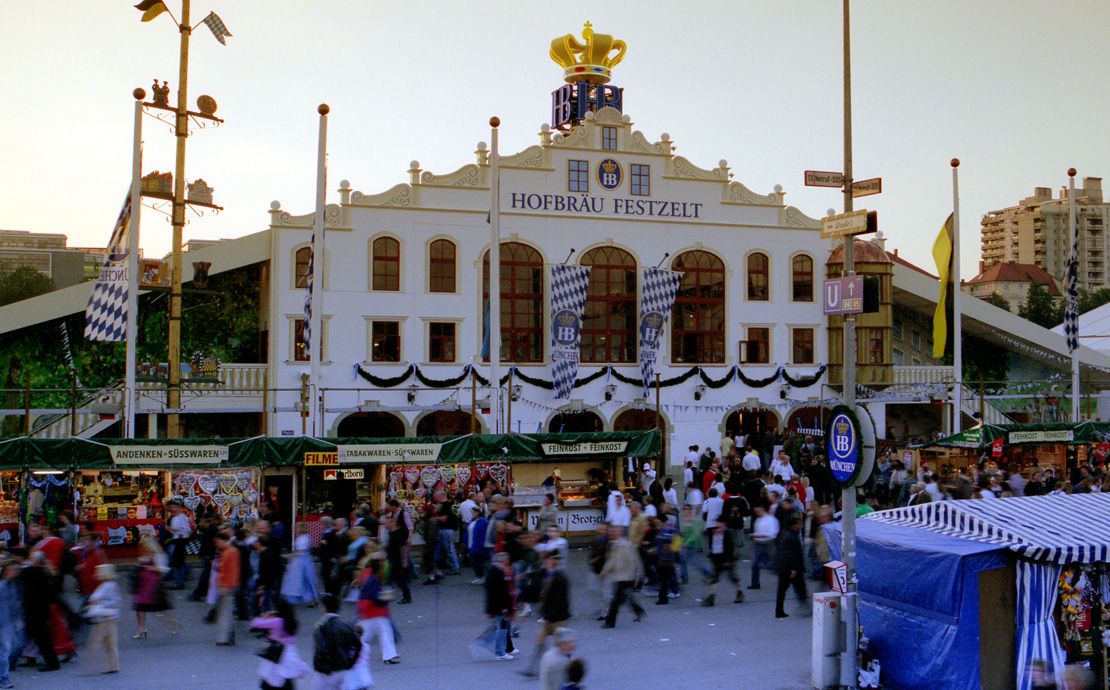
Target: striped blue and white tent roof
(1059,529)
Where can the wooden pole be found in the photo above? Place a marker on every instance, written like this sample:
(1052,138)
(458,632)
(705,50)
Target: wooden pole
(661,427)
(73,403)
(982,402)
(26,402)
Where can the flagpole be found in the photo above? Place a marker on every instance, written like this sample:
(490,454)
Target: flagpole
(495,278)
(957,311)
(1074,227)
(129,393)
(181,131)
(316,327)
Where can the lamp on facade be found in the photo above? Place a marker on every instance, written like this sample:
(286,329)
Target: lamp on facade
(517,390)
(200,274)
(610,391)
(699,391)
(412,393)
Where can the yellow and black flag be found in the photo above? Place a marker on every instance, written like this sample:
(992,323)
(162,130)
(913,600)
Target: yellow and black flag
(942,255)
(151,9)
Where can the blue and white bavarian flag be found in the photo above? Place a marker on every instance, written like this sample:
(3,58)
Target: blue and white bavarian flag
(106,312)
(568,301)
(1071,305)
(660,288)
(308,299)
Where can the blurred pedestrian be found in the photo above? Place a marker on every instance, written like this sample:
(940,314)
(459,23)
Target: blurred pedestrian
(790,566)
(103,611)
(150,592)
(373,607)
(298,586)
(228,572)
(553,667)
(280,663)
(337,648)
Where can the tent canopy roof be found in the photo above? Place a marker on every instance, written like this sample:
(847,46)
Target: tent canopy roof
(1012,434)
(1059,529)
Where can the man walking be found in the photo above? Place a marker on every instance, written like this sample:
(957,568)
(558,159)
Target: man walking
(500,589)
(227,582)
(553,667)
(764,532)
(337,647)
(447,531)
(790,566)
(554,607)
(722,554)
(180,531)
(622,568)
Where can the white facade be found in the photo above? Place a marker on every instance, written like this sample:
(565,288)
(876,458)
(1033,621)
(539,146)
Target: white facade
(717,215)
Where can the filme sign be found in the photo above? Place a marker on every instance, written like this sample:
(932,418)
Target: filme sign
(168,455)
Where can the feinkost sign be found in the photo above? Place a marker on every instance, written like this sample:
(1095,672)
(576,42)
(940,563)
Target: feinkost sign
(842,445)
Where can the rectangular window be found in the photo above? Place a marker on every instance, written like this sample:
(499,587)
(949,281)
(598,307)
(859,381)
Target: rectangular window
(300,349)
(897,328)
(758,350)
(641,180)
(870,345)
(441,341)
(578,176)
(609,138)
(385,341)
(802,346)
(915,339)
(899,358)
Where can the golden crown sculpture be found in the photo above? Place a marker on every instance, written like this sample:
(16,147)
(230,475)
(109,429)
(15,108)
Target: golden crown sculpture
(590,61)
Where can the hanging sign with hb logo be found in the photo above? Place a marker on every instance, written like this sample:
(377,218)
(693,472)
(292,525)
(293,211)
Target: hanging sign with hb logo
(660,288)
(842,440)
(569,285)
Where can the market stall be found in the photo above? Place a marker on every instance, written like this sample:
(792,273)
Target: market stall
(968,594)
(122,506)
(1057,446)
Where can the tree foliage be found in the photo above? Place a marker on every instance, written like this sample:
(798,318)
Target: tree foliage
(998,300)
(1040,308)
(23,283)
(986,361)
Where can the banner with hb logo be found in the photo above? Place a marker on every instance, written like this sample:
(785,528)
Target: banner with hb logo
(569,285)
(660,288)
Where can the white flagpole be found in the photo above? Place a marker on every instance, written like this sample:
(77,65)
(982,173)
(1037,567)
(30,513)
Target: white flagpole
(130,395)
(957,312)
(319,270)
(494,278)
(1073,236)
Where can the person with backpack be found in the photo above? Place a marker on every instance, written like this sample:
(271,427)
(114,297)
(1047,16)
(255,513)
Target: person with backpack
(338,648)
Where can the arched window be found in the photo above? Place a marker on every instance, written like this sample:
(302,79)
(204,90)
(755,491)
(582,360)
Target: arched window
(759,277)
(387,264)
(521,302)
(609,324)
(301,261)
(441,266)
(801,278)
(698,317)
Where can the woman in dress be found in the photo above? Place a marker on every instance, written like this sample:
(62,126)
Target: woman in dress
(299,583)
(150,593)
(281,628)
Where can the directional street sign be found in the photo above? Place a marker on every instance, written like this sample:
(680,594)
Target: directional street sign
(840,225)
(844,295)
(822,178)
(867,187)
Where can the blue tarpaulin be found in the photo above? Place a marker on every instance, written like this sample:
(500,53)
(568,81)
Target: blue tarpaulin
(919,602)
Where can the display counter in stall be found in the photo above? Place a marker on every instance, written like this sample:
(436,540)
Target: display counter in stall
(122,506)
(10,483)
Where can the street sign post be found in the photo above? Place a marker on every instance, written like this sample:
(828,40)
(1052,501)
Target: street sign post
(867,187)
(824,178)
(844,295)
(844,224)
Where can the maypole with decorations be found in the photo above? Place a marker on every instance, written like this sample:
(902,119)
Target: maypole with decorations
(199,193)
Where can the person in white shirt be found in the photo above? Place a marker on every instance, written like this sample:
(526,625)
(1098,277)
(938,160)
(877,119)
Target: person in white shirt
(647,477)
(711,509)
(751,462)
(618,514)
(466,509)
(1017,484)
(688,473)
(694,497)
(555,542)
(670,495)
(180,531)
(726,445)
(775,491)
(933,489)
(764,531)
(781,467)
(691,455)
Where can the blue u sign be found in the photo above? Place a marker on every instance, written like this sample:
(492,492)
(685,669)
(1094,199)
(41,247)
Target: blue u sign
(842,444)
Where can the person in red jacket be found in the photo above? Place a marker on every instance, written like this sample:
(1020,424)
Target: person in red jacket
(373,608)
(89,555)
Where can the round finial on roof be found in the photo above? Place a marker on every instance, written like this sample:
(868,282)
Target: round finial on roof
(830,212)
(323,109)
(590,115)
(778,189)
(879,235)
(139,94)
(1071,172)
(722,163)
(481,146)
(275,205)
(558,136)
(665,137)
(414,165)
(626,118)
(955,162)
(495,122)
(344,184)
(545,127)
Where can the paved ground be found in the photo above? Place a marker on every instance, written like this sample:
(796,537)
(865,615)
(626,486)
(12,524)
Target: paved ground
(681,645)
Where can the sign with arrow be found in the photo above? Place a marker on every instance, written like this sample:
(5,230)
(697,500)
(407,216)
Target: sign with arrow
(843,295)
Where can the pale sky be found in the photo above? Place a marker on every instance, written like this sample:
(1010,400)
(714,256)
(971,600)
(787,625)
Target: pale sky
(1014,88)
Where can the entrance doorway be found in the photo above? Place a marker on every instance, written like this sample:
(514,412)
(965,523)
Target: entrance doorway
(447,423)
(749,421)
(575,421)
(371,425)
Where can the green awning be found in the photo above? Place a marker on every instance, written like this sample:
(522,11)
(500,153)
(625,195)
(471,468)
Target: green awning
(1019,434)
